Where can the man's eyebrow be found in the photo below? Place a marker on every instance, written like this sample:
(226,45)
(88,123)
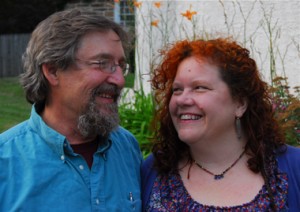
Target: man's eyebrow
(105,56)
(102,55)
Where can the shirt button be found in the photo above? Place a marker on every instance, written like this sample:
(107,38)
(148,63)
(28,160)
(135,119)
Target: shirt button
(81,167)
(97,201)
(62,157)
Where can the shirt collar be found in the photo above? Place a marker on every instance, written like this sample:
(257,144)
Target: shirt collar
(54,139)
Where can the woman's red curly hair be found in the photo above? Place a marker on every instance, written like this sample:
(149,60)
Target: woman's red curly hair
(241,74)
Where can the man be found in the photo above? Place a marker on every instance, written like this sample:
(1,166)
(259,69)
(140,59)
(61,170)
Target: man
(71,155)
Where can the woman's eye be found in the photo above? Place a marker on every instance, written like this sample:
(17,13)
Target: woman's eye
(176,90)
(200,88)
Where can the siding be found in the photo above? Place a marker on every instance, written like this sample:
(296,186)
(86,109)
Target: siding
(12,47)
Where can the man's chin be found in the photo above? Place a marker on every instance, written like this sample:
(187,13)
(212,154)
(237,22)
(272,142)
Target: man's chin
(111,109)
(99,118)
(98,125)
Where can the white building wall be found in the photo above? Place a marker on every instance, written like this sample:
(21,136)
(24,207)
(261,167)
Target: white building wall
(258,25)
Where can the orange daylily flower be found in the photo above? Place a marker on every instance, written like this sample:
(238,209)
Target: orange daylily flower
(117,1)
(189,14)
(157,4)
(137,4)
(154,23)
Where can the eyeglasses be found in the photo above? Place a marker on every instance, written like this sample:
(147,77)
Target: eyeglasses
(108,65)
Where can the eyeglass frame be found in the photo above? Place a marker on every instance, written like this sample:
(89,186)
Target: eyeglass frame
(111,70)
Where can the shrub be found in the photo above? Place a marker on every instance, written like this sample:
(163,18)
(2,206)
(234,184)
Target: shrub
(136,116)
(287,109)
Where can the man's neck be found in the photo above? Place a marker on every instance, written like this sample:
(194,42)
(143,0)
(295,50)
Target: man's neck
(65,125)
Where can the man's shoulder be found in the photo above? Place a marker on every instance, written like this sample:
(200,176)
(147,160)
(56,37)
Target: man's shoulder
(16,132)
(122,137)
(125,146)
(122,133)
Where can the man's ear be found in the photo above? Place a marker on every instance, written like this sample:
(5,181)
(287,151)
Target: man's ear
(50,72)
(241,107)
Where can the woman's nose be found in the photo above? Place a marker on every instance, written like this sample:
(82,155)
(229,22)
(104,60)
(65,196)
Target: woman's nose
(184,99)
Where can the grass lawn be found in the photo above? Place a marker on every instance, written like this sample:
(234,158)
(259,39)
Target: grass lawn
(13,106)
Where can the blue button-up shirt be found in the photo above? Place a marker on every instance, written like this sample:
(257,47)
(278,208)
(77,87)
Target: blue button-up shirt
(40,172)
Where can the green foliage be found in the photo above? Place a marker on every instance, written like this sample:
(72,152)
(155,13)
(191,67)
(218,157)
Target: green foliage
(136,117)
(13,106)
(129,80)
(287,110)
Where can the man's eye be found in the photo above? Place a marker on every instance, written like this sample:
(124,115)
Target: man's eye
(103,64)
(123,65)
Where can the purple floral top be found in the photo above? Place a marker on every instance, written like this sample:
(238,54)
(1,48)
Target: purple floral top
(169,194)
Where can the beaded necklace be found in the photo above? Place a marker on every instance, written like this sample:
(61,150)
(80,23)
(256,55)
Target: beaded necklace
(220,176)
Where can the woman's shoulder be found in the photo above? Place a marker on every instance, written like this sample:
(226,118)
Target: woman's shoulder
(148,162)
(289,162)
(289,154)
(149,175)
(288,159)
(148,170)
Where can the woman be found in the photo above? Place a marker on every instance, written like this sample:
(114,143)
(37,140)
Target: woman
(217,146)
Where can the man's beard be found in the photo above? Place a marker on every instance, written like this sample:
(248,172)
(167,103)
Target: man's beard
(100,120)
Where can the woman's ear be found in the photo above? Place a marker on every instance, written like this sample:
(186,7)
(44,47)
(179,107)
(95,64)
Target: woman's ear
(241,107)
(50,72)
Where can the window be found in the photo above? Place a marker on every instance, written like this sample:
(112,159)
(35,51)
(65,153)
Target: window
(124,14)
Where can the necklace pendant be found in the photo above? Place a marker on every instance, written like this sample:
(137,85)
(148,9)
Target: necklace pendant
(219,176)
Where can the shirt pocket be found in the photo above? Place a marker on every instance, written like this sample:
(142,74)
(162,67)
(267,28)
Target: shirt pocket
(133,201)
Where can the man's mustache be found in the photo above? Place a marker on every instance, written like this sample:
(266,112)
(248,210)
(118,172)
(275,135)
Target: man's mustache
(110,89)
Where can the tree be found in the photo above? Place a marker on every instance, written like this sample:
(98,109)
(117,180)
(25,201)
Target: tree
(22,16)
